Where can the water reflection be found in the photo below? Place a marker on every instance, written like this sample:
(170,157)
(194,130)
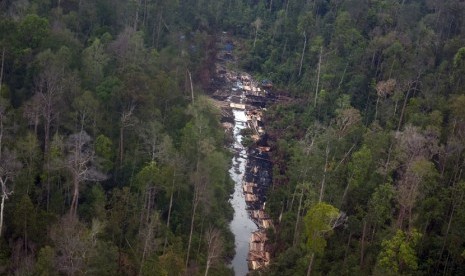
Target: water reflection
(241,225)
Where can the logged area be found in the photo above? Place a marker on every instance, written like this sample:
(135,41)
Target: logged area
(214,137)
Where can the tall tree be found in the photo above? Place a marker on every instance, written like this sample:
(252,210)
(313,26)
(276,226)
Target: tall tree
(81,164)
(320,221)
(214,247)
(9,168)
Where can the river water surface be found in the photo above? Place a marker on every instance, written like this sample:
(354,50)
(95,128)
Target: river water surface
(241,225)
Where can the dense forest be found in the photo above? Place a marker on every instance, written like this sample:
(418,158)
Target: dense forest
(113,160)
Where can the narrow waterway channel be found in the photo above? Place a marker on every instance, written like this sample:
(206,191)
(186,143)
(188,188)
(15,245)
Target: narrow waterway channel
(241,225)
(243,101)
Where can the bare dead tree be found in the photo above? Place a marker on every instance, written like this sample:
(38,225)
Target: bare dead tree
(325,169)
(383,90)
(415,149)
(1,69)
(152,138)
(80,163)
(257,24)
(126,121)
(318,77)
(147,237)
(303,53)
(199,190)
(49,89)
(32,112)
(9,167)
(3,116)
(346,120)
(214,247)
(72,246)
(177,162)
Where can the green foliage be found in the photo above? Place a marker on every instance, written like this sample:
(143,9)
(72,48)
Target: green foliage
(149,176)
(398,255)
(94,60)
(32,31)
(104,149)
(359,167)
(106,89)
(319,223)
(44,265)
(380,204)
(94,207)
(170,264)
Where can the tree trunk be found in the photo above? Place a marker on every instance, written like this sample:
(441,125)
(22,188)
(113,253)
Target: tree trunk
(346,190)
(148,236)
(298,218)
(169,213)
(136,19)
(1,134)
(144,20)
(190,235)
(388,160)
(1,212)
(448,228)
(195,201)
(322,188)
(362,244)
(47,126)
(1,70)
(207,267)
(376,108)
(303,53)
(159,27)
(318,77)
(74,202)
(403,109)
(192,87)
(121,148)
(342,78)
(347,251)
(284,49)
(4,196)
(287,7)
(309,269)
(255,38)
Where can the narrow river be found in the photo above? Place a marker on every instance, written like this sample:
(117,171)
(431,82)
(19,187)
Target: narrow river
(241,225)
